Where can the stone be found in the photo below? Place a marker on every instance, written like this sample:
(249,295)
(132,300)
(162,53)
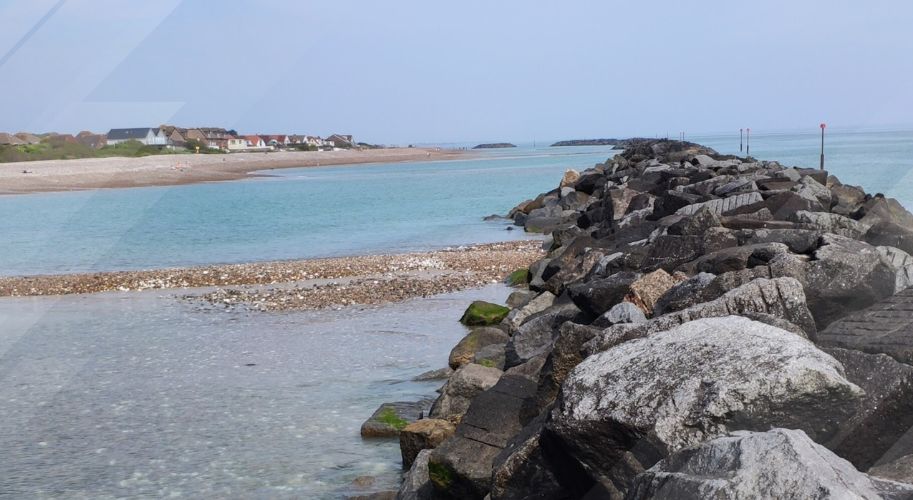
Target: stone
(598,296)
(813,190)
(466,349)
(890,234)
(566,354)
(683,295)
(884,328)
(696,224)
(524,470)
(492,356)
(517,316)
(832,223)
(624,312)
(801,241)
(735,258)
(723,206)
(783,205)
(779,463)
(845,275)
(519,298)
(646,290)
(624,409)
(421,435)
(457,393)
(900,470)
(620,198)
(439,374)
(589,181)
(535,337)
(462,465)
(883,416)
(669,251)
(739,185)
(565,191)
(703,160)
(847,199)
(391,418)
(417,483)
(481,313)
(570,178)
(881,209)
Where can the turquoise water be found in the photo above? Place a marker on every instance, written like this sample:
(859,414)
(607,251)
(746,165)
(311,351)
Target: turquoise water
(294,213)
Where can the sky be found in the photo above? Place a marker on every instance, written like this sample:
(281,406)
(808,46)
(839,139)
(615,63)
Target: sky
(419,71)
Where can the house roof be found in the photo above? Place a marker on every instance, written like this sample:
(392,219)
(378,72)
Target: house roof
(10,139)
(119,134)
(28,138)
(253,138)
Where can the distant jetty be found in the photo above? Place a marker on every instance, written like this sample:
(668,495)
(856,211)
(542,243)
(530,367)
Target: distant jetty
(495,145)
(589,142)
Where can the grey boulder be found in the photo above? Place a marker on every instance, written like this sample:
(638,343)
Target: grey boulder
(779,463)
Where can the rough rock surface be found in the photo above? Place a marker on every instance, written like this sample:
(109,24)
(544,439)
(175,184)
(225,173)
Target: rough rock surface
(886,327)
(649,397)
(464,352)
(780,463)
(423,434)
(390,418)
(463,385)
(416,482)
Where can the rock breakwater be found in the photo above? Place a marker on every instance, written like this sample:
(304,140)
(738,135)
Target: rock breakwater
(702,326)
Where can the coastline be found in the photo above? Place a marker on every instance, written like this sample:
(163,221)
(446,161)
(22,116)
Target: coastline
(308,283)
(179,169)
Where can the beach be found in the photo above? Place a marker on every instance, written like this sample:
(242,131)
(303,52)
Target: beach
(176,169)
(307,284)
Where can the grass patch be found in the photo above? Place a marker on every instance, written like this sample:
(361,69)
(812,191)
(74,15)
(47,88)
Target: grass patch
(481,313)
(440,475)
(518,277)
(487,363)
(388,416)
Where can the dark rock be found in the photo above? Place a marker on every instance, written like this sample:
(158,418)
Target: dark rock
(798,240)
(462,466)
(683,295)
(847,199)
(520,298)
(783,205)
(416,483)
(518,316)
(623,410)
(900,470)
(736,258)
(668,252)
(535,337)
(598,296)
(391,418)
(439,374)
(779,463)
(723,206)
(883,328)
(524,470)
(890,234)
(696,224)
(885,413)
(881,209)
(461,388)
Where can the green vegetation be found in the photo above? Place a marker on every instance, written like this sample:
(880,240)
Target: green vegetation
(487,363)
(518,277)
(193,144)
(481,313)
(440,475)
(388,416)
(68,151)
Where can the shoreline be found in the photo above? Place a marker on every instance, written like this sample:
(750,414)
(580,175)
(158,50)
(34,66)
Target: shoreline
(180,169)
(307,283)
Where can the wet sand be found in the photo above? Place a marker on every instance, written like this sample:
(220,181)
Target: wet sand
(306,284)
(167,170)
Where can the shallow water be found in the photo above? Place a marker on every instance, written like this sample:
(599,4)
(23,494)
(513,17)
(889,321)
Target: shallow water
(145,395)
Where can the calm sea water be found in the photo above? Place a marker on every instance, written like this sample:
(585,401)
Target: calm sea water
(143,395)
(295,213)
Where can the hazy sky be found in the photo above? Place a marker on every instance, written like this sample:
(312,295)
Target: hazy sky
(433,71)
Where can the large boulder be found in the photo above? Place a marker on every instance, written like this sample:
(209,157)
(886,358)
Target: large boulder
(883,416)
(525,470)
(538,304)
(900,470)
(646,290)
(462,465)
(423,434)
(416,482)
(391,418)
(832,223)
(890,234)
(624,409)
(463,385)
(883,328)
(535,337)
(595,297)
(466,349)
(481,313)
(683,294)
(779,463)
(723,206)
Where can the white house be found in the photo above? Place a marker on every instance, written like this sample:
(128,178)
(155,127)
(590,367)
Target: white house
(147,136)
(237,144)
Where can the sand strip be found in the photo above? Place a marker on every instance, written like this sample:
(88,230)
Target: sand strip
(166,170)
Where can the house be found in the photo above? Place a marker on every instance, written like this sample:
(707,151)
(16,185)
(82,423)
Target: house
(94,141)
(237,144)
(255,142)
(10,140)
(216,138)
(276,141)
(28,138)
(297,139)
(58,140)
(147,136)
(341,141)
(177,139)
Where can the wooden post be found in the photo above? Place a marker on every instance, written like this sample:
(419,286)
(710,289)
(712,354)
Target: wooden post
(747,142)
(741,141)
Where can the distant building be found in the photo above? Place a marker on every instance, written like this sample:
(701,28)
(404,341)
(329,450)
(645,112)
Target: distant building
(341,141)
(10,140)
(61,139)
(255,142)
(216,138)
(276,141)
(237,144)
(94,141)
(28,138)
(147,136)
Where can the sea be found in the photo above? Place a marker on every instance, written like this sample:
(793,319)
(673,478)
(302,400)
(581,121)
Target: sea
(144,394)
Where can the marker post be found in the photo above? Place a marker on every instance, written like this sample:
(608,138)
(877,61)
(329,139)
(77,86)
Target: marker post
(823,126)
